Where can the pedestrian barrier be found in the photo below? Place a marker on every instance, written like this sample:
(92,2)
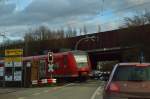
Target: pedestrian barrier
(34,82)
(49,81)
(44,81)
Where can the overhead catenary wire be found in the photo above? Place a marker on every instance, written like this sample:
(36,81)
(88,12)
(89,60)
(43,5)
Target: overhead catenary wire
(113,18)
(127,7)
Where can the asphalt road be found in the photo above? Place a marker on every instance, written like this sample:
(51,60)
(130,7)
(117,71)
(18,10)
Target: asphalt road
(91,89)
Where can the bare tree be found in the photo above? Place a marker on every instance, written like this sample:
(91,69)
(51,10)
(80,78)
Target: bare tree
(80,31)
(147,16)
(44,33)
(70,32)
(98,28)
(136,20)
(84,29)
(74,32)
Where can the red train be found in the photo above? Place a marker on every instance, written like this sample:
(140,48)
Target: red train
(71,65)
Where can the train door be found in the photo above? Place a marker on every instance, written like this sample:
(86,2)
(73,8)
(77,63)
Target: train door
(60,66)
(42,69)
(59,62)
(65,65)
(34,70)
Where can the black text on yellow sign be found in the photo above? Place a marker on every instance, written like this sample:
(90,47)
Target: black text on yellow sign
(13,59)
(13,52)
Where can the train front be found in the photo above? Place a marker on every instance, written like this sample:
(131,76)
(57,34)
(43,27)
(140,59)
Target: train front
(83,64)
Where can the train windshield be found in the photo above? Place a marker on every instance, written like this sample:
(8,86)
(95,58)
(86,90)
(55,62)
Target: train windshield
(81,60)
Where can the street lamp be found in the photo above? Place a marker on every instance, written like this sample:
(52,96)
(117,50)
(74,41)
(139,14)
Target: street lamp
(86,38)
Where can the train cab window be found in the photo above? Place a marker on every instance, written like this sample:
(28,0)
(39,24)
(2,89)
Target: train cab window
(81,60)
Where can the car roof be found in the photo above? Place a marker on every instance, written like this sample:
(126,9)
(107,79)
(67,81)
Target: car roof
(133,64)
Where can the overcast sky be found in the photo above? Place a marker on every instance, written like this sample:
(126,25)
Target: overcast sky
(18,16)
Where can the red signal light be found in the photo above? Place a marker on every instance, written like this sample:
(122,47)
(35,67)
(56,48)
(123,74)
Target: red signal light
(50,57)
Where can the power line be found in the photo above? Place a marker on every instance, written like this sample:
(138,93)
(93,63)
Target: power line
(115,11)
(129,7)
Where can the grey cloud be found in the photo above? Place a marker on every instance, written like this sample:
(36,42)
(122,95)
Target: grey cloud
(56,9)
(6,9)
(58,13)
(48,11)
(14,31)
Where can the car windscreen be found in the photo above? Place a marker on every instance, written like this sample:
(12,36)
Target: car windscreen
(132,73)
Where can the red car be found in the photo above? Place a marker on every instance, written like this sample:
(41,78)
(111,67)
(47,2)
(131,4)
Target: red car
(128,81)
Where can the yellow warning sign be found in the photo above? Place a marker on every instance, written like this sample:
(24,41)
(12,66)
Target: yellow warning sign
(13,59)
(13,52)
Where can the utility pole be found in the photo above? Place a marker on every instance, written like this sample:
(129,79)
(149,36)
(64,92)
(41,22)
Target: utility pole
(4,37)
(25,66)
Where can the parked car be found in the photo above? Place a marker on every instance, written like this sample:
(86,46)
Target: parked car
(128,81)
(101,75)
(96,74)
(105,75)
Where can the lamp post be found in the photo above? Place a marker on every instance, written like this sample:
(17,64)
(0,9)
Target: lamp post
(82,39)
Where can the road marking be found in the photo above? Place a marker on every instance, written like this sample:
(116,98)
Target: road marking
(21,98)
(96,92)
(53,89)
(46,91)
(68,85)
(35,94)
(63,86)
(56,88)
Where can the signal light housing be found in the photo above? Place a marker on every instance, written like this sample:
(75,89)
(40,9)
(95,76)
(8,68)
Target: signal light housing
(50,57)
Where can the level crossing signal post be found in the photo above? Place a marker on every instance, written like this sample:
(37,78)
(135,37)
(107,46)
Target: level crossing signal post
(50,63)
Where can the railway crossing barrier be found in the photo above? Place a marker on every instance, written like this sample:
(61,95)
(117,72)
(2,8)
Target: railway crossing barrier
(44,82)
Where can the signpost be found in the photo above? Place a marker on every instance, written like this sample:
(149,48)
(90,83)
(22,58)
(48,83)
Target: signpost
(13,52)
(13,65)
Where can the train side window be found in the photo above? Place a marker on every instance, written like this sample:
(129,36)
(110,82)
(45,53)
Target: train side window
(28,64)
(56,66)
(42,69)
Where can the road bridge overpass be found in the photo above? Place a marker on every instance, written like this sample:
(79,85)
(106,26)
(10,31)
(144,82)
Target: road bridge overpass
(115,54)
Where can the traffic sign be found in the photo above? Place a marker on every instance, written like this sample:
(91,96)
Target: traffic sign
(13,52)
(50,68)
